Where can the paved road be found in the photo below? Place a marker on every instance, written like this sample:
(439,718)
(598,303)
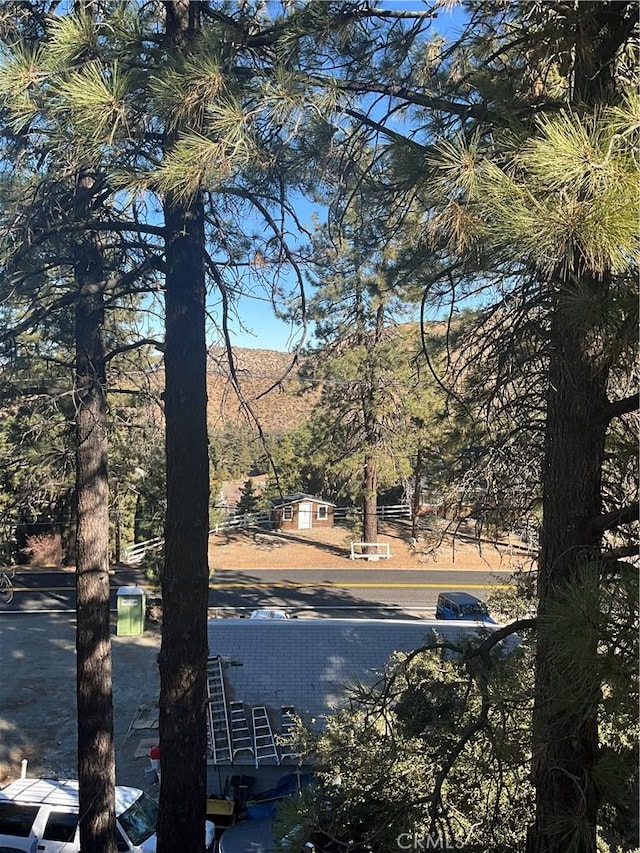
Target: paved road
(329,592)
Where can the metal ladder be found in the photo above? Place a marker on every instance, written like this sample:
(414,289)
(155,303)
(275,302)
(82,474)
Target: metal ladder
(263,742)
(240,735)
(217,717)
(288,726)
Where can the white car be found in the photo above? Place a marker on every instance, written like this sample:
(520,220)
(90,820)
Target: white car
(269,614)
(41,816)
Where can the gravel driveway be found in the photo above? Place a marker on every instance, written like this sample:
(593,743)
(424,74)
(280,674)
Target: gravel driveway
(38,703)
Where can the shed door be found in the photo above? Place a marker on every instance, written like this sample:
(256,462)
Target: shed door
(304,516)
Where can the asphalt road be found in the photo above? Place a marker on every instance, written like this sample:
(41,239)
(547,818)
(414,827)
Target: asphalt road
(349,592)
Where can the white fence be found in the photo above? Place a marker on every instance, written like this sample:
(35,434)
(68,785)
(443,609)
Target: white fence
(135,553)
(239,522)
(382,512)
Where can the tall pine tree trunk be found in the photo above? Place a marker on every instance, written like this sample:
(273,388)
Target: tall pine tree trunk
(185,576)
(371,424)
(565,722)
(370,501)
(96,763)
(417,492)
(183,654)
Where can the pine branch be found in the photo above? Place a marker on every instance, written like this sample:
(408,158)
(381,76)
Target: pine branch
(481,650)
(474,726)
(338,20)
(24,392)
(385,131)
(119,227)
(124,281)
(403,14)
(610,520)
(478,111)
(36,316)
(481,722)
(411,96)
(495,637)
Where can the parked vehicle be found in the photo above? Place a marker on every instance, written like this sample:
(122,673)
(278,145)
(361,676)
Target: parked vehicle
(256,834)
(269,614)
(41,816)
(461,605)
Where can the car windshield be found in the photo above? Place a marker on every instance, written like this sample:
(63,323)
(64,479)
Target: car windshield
(139,820)
(476,609)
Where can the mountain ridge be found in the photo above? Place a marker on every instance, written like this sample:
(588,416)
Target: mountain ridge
(269,383)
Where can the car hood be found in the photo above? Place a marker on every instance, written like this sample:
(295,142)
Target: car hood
(149,846)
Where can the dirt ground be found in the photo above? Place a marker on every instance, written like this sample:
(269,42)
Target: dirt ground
(38,702)
(329,548)
(37,651)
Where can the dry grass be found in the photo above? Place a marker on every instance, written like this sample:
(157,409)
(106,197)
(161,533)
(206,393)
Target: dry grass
(329,548)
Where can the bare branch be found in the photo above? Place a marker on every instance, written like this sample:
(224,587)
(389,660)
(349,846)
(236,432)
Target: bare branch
(495,637)
(297,272)
(623,406)
(115,226)
(159,345)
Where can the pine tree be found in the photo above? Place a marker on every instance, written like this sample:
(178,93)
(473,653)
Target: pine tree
(517,186)
(532,190)
(212,106)
(248,499)
(357,359)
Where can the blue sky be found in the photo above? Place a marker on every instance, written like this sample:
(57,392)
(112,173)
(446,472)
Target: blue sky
(257,325)
(260,328)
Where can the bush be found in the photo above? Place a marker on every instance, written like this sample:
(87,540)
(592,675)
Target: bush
(42,549)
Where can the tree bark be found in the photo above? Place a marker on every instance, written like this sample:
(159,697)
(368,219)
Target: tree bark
(565,732)
(417,490)
(185,577)
(566,737)
(370,501)
(96,763)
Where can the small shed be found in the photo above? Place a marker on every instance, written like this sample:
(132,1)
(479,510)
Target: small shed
(301,512)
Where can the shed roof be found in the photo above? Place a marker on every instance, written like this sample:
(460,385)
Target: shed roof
(307,663)
(296,497)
